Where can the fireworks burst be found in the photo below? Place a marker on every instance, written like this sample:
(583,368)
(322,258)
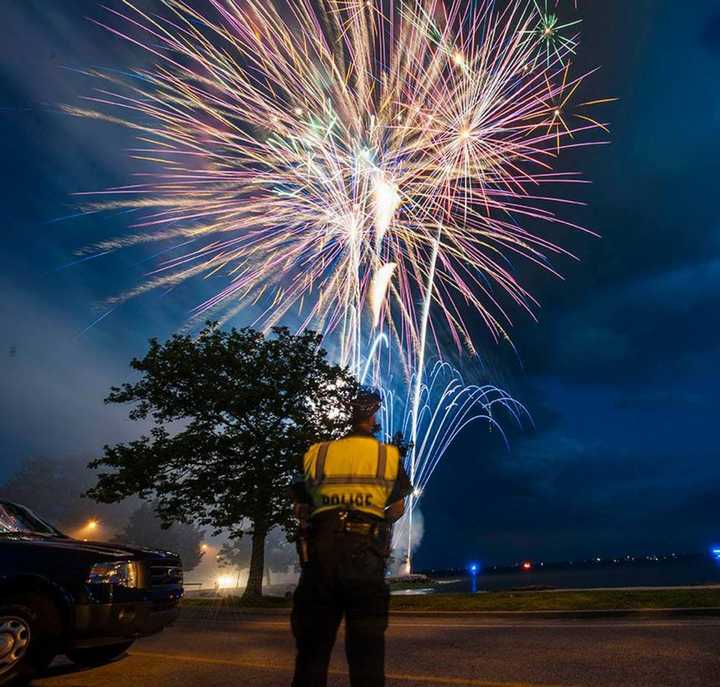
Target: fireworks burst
(323,155)
(549,34)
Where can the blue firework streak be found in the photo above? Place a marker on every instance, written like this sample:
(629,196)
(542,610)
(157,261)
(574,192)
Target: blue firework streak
(447,406)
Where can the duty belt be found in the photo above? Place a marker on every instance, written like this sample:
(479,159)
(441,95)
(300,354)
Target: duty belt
(365,528)
(343,522)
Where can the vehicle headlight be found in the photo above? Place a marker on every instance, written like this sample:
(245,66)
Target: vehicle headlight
(122,574)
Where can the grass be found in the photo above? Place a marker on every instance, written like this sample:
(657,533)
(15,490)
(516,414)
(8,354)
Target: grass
(236,602)
(594,600)
(517,601)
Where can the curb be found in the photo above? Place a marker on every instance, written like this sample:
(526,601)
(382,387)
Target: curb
(565,614)
(231,614)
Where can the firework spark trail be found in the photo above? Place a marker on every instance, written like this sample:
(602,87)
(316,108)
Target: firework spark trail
(417,385)
(470,404)
(447,405)
(437,407)
(550,34)
(305,149)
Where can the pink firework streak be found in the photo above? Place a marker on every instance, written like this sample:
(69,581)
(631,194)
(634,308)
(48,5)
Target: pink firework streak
(337,158)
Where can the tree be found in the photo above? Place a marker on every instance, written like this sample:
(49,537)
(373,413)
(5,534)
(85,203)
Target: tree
(233,413)
(144,528)
(280,553)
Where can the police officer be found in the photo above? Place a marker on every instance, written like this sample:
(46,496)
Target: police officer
(353,491)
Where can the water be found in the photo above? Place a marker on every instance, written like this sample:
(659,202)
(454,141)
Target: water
(700,570)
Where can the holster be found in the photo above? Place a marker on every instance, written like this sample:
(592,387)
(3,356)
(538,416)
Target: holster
(302,543)
(387,549)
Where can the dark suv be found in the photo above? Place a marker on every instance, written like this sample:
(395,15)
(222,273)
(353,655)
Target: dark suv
(85,599)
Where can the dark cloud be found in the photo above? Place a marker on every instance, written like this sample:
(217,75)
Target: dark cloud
(659,325)
(555,497)
(654,398)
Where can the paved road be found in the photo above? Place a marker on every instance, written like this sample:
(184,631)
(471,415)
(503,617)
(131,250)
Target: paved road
(427,652)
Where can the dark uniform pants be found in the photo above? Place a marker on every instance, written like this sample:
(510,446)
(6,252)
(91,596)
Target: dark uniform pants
(345,577)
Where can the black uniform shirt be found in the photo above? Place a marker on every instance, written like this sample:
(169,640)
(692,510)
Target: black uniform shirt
(402,487)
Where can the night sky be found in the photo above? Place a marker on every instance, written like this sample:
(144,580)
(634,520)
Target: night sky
(620,373)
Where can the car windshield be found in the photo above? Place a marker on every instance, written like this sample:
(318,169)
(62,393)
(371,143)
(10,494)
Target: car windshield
(15,519)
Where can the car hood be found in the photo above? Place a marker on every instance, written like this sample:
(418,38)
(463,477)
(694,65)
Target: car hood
(109,550)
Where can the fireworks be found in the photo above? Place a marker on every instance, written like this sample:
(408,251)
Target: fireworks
(372,169)
(447,406)
(549,33)
(437,407)
(302,150)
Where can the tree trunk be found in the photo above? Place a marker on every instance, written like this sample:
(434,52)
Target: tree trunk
(257,563)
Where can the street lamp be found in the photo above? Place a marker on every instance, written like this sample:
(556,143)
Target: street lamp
(225,582)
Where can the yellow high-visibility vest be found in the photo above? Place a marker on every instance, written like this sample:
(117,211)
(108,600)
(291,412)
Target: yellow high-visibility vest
(354,473)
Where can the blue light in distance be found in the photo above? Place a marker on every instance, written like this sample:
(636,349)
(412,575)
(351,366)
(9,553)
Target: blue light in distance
(715,552)
(474,568)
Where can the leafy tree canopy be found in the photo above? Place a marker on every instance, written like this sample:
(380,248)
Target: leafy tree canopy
(233,412)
